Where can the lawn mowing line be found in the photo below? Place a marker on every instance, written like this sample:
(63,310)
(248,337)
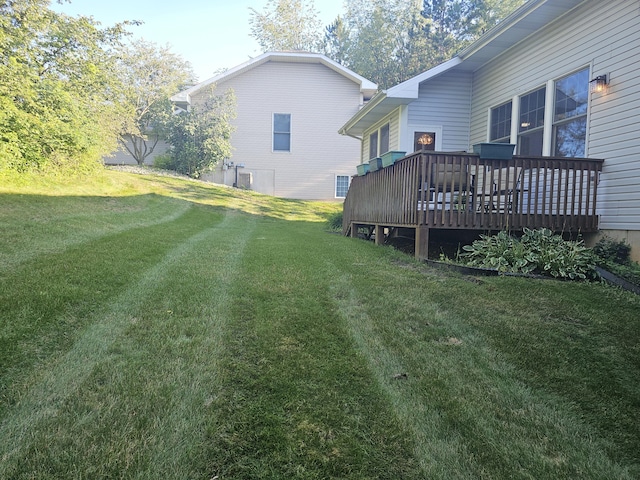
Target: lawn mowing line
(60,382)
(175,434)
(481,407)
(431,451)
(51,246)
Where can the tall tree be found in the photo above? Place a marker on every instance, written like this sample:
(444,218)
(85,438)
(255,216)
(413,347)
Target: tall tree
(201,137)
(150,75)
(453,24)
(287,25)
(56,88)
(389,41)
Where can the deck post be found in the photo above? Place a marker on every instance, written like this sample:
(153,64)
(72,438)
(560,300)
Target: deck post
(422,243)
(379,234)
(354,230)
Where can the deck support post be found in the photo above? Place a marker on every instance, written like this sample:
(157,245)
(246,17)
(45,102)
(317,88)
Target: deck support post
(422,243)
(354,230)
(379,235)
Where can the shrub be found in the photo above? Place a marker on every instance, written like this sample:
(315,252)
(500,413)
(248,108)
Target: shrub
(164,161)
(609,250)
(334,221)
(537,251)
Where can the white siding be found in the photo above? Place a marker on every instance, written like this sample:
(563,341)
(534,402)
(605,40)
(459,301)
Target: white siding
(444,101)
(320,101)
(606,38)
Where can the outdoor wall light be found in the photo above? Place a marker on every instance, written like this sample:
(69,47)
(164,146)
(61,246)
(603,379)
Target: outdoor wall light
(598,84)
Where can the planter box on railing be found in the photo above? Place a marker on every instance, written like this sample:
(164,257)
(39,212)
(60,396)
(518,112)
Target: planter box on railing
(390,158)
(363,169)
(375,164)
(495,151)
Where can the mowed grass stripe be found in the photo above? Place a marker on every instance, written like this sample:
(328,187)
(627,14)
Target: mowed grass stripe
(298,400)
(467,408)
(25,427)
(46,227)
(46,302)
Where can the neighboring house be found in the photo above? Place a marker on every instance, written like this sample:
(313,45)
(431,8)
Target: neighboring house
(123,157)
(289,107)
(527,82)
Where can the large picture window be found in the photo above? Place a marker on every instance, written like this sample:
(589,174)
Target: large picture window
(281,132)
(500,128)
(570,114)
(531,123)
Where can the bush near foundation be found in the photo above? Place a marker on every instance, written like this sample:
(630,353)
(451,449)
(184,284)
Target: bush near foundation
(536,252)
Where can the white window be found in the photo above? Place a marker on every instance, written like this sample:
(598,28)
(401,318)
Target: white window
(531,123)
(379,141)
(384,139)
(342,185)
(373,145)
(562,104)
(500,127)
(281,132)
(570,115)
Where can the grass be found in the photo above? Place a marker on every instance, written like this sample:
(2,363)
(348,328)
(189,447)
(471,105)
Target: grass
(153,327)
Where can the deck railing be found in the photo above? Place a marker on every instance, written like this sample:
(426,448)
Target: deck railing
(463,191)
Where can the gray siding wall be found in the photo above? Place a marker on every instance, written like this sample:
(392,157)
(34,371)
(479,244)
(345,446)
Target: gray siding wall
(444,101)
(320,101)
(605,37)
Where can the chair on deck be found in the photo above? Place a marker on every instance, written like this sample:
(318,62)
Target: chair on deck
(496,190)
(445,181)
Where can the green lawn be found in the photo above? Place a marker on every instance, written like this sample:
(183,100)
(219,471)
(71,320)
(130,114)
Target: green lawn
(153,327)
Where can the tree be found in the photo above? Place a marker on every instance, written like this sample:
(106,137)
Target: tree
(56,88)
(389,41)
(150,75)
(453,24)
(382,40)
(287,25)
(201,137)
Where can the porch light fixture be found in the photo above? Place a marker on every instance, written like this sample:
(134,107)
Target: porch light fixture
(598,84)
(425,139)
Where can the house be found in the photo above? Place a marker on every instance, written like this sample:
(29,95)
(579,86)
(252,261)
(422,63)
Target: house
(557,78)
(289,107)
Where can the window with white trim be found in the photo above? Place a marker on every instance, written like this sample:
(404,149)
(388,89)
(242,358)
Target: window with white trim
(570,115)
(281,132)
(379,141)
(373,145)
(566,113)
(384,139)
(531,123)
(342,185)
(500,124)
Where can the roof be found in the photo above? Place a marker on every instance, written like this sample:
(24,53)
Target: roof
(532,16)
(367,88)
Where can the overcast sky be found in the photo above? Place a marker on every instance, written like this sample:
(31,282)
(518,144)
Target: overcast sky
(210,34)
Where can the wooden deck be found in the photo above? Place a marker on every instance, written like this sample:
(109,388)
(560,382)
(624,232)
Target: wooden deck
(461,191)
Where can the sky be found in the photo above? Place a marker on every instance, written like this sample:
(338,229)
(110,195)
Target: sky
(210,34)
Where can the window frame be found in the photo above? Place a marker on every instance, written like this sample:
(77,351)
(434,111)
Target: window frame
(275,133)
(380,138)
(547,128)
(337,177)
(570,119)
(508,123)
(538,128)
